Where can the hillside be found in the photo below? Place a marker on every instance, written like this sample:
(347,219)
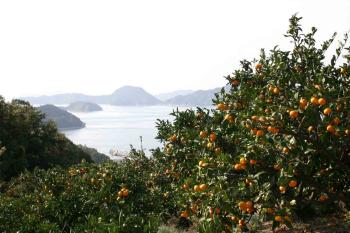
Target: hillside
(125,96)
(83,107)
(62,118)
(197,98)
(27,141)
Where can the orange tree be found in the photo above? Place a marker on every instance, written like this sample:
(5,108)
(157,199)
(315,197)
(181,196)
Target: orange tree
(276,146)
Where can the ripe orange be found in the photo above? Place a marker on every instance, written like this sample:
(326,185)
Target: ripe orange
(322,101)
(276,91)
(258,66)
(278,218)
(237,167)
(310,129)
(203,187)
(260,133)
(314,100)
(249,204)
(330,129)
(347,132)
(327,111)
(243,161)
(125,193)
(173,138)
(229,118)
(202,163)
(221,107)
(235,83)
(293,114)
(212,137)
(196,188)
(210,145)
(252,162)
(302,103)
(272,129)
(203,134)
(285,150)
(293,183)
(282,189)
(254,118)
(184,214)
(323,197)
(185,186)
(242,205)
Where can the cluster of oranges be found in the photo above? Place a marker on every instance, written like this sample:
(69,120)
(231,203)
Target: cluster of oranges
(123,193)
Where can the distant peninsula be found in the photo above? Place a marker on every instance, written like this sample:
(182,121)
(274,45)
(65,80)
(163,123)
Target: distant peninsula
(63,119)
(81,106)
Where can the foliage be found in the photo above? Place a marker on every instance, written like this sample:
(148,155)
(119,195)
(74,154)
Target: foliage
(27,142)
(96,156)
(110,197)
(277,146)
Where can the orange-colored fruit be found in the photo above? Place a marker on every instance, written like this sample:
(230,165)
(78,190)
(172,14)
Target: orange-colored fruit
(202,164)
(184,214)
(242,205)
(310,129)
(322,101)
(243,161)
(254,118)
(249,204)
(347,132)
(185,186)
(196,188)
(302,103)
(285,150)
(293,114)
(203,134)
(210,145)
(235,83)
(203,187)
(272,129)
(212,137)
(125,193)
(260,133)
(237,167)
(314,100)
(276,91)
(258,66)
(323,197)
(252,162)
(173,138)
(282,189)
(278,218)
(327,111)
(330,129)
(221,107)
(293,183)
(229,118)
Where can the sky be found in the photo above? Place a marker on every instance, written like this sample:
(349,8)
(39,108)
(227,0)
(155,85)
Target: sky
(94,47)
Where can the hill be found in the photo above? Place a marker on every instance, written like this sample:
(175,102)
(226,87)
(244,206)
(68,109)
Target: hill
(62,118)
(169,95)
(125,96)
(83,107)
(197,98)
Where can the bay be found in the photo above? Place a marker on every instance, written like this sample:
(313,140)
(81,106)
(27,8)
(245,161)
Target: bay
(118,127)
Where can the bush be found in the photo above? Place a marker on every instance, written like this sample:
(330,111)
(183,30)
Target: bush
(277,146)
(110,197)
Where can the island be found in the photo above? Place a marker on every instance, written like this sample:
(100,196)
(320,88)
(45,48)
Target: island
(62,118)
(81,106)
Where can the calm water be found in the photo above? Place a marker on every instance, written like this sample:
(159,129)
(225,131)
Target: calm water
(119,127)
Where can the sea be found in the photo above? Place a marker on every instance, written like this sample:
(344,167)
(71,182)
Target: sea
(117,128)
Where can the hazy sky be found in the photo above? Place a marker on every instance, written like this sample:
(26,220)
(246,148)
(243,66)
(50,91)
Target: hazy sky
(94,47)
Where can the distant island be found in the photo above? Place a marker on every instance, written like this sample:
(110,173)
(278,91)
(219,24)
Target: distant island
(82,106)
(63,119)
(129,96)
